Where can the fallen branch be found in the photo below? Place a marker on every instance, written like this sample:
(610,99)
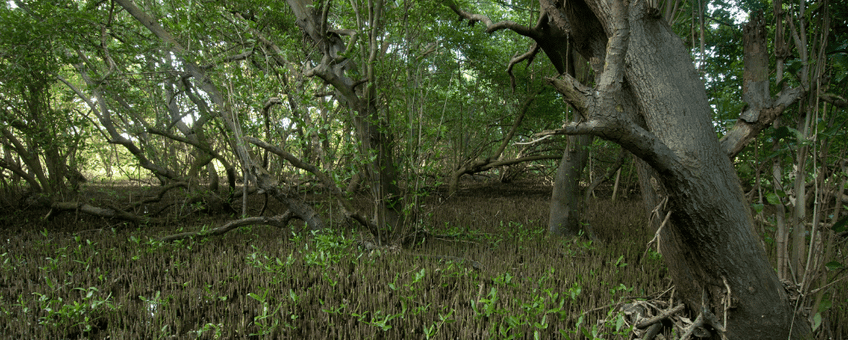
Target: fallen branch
(99,211)
(662,316)
(159,195)
(347,208)
(279,221)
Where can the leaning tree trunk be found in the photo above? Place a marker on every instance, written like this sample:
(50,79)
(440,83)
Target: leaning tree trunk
(710,246)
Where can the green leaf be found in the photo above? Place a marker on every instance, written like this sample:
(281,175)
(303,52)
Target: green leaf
(825,304)
(812,8)
(817,321)
(833,265)
(840,226)
(758,207)
(772,198)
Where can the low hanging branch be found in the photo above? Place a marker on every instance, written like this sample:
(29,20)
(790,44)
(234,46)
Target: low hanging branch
(480,165)
(347,208)
(279,221)
(161,194)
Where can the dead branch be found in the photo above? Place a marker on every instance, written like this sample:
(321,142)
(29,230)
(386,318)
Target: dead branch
(662,316)
(160,195)
(279,221)
(347,209)
(99,211)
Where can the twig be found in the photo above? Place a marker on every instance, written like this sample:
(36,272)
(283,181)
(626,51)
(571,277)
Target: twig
(827,285)
(656,236)
(726,301)
(660,317)
(533,141)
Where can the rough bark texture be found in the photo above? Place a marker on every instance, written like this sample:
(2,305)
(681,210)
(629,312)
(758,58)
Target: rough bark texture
(710,244)
(566,206)
(761,109)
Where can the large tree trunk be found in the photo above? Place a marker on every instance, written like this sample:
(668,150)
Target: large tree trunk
(710,246)
(650,100)
(565,200)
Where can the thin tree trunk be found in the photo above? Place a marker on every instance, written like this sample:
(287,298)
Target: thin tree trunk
(565,201)
(615,187)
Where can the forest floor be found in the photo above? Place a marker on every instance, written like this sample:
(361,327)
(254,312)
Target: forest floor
(492,272)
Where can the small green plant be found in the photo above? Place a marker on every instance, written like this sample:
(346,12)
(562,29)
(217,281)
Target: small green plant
(489,304)
(265,322)
(382,321)
(504,279)
(430,332)
(77,315)
(276,267)
(209,327)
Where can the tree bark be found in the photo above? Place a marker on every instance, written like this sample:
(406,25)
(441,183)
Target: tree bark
(710,245)
(565,200)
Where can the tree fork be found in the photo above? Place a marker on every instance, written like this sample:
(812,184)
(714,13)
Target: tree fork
(711,237)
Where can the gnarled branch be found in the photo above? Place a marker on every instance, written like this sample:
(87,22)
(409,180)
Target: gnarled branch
(279,221)
(491,26)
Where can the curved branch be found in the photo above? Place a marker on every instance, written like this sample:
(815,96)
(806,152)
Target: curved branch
(529,56)
(20,172)
(105,118)
(492,27)
(347,209)
(160,195)
(630,136)
(296,162)
(279,221)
